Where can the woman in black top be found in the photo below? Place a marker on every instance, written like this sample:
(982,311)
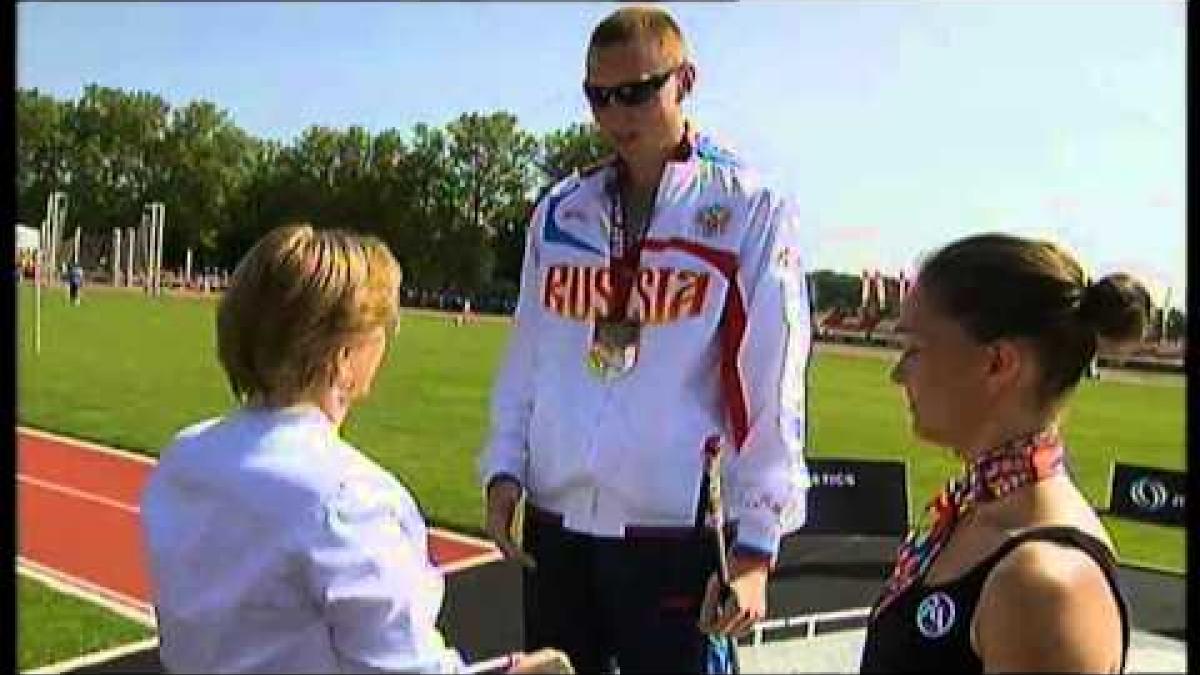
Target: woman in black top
(1013,570)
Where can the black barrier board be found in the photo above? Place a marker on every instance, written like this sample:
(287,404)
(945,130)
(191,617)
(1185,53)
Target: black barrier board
(1148,494)
(855,496)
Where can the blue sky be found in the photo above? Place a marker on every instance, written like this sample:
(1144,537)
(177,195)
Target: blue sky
(896,126)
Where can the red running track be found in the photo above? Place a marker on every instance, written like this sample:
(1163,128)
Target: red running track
(78,518)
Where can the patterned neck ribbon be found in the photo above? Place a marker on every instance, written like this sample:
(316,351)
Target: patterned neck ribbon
(990,476)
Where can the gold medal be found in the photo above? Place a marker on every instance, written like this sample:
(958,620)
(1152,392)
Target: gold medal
(614,348)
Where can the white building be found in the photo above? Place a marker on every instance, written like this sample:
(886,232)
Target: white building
(27,238)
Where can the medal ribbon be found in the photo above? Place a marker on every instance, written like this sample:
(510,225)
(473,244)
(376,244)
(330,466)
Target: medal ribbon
(990,476)
(625,243)
(624,248)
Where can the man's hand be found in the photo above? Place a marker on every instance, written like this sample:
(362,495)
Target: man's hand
(503,494)
(747,601)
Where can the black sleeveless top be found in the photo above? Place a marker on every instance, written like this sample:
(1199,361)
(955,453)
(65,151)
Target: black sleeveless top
(927,628)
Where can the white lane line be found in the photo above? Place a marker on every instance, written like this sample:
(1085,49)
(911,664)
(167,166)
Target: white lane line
(99,657)
(78,494)
(79,443)
(125,605)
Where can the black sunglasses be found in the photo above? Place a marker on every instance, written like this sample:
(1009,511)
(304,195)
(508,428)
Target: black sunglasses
(628,93)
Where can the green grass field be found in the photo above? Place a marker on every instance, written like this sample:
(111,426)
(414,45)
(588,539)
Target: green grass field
(53,626)
(128,370)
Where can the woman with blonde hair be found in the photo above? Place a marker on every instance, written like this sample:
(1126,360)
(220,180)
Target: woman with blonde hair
(274,545)
(1014,571)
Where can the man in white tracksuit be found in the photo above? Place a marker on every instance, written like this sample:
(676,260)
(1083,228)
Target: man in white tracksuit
(663,302)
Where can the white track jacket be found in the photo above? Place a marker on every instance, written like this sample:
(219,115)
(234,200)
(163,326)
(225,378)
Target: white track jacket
(722,297)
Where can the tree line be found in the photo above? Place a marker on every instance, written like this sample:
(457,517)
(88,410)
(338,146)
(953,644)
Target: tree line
(452,202)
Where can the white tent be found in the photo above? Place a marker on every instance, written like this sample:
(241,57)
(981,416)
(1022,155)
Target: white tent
(27,238)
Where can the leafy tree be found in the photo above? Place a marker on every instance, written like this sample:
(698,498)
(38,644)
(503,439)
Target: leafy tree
(42,146)
(571,149)
(834,289)
(208,162)
(452,202)
(494,176)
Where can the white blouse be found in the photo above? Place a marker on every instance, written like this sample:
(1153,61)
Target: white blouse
(274,546)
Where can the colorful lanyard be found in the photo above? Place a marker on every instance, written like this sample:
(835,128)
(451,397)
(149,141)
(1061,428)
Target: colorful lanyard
(989,477)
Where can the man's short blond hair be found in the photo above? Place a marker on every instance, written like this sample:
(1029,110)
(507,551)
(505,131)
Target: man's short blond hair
(639,22)
(296,298)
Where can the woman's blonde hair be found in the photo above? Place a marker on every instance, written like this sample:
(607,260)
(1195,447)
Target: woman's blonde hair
(296,298)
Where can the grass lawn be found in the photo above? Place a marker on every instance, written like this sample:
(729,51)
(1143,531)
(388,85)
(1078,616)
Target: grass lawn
(128,370)
(54,626)
(854,414)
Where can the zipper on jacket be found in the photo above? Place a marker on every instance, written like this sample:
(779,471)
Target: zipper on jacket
(594,446)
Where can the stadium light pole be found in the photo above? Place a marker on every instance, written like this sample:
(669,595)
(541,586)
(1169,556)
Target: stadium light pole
(56,213)
(159,211)
(1166,313)
(162,232)
(153,219)
(40,260)
(116,263)
(57,222)
(144,247)
(130,238)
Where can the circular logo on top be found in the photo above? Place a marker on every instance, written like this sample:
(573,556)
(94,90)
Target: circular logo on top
(935,615)
(1149,493)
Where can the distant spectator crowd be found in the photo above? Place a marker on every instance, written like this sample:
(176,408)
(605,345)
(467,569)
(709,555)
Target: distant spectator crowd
(453,300)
